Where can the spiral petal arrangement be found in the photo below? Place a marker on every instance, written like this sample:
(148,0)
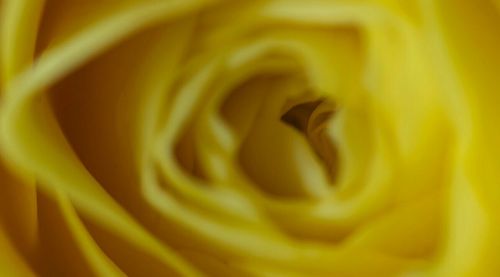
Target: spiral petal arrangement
(249,138)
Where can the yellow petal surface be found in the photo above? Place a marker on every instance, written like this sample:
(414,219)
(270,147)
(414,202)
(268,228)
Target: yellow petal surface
(249,138)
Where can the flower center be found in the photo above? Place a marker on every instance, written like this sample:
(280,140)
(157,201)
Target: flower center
(280,126)
(311,119)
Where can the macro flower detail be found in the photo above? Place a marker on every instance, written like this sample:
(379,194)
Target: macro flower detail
(249,138)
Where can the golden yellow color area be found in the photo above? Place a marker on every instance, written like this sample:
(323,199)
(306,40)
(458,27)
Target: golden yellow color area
(250,138)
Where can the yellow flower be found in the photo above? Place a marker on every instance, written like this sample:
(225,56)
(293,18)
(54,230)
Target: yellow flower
(249,138)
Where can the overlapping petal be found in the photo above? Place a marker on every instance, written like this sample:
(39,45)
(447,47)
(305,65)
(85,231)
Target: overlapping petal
(279,138)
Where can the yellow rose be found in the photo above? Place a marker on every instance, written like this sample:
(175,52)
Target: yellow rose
(249,138)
